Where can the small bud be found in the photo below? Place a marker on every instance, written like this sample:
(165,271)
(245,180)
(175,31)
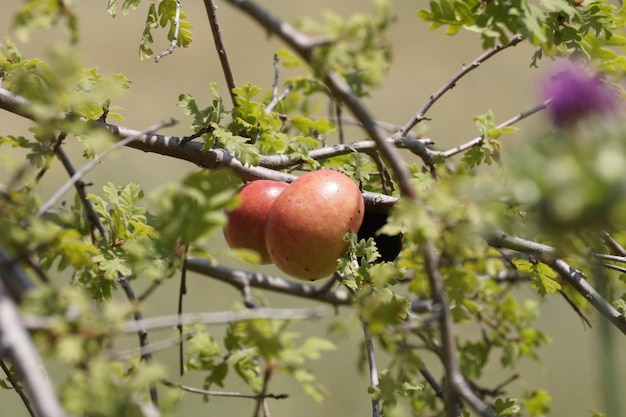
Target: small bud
(577,93)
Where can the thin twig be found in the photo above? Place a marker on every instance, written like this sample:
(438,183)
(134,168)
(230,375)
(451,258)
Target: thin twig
(614,244)
(266,379)
(614,258)
(450,84)
(432,381)
(22,353)
(142,332)
(222,393)
(148,291)
(182,291)
(211,318)
(46,167)
(174,41)
(17,387)
(211,10)
(92,216)
(373,370)
(576,309)
(88,167)
(274,101)
(615,268)
(479,139)
(148,349)
(339,120)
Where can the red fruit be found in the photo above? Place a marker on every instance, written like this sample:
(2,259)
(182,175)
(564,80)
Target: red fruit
(246,224)
(306,225)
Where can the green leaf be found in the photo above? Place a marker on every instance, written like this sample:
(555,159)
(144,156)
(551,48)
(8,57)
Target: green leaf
(544,278)
(506,407)
(192,210)
(537,403)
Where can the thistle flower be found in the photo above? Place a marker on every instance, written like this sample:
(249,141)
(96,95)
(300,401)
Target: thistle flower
(577,93)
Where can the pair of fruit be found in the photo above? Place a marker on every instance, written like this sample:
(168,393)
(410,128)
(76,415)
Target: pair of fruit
(298,226)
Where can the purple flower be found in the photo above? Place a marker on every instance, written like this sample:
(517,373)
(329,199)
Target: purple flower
(576,93)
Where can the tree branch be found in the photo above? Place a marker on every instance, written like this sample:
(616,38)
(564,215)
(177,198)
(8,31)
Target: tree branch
(238,279)
(465,69)
(174,41)
(142,331)
(211,10)
(573,277)
(14,279)
(211,318)
(173,147)
(373,370)
(18,389)
(456,384)
(88,167)
(222,393)
(477,141)
(17,345)
(366,146)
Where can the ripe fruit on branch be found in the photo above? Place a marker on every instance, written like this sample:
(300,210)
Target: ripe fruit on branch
(306,225)
(246,224)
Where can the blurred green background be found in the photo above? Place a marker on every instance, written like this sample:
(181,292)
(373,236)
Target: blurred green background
(423,61)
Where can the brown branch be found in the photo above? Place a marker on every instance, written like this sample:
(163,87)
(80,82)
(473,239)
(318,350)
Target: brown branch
(173,147)
(14,279)
(222,393)
(211,10)
(142,332)
(260,401)
(457,386)
(19,348)
(477,141)
(94,162)
(239,278)
(573,277)
(17,387)
(371,361)
(366,146)
(92,216)
(174,42)
(465,69)
(299,42)
(210,318)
